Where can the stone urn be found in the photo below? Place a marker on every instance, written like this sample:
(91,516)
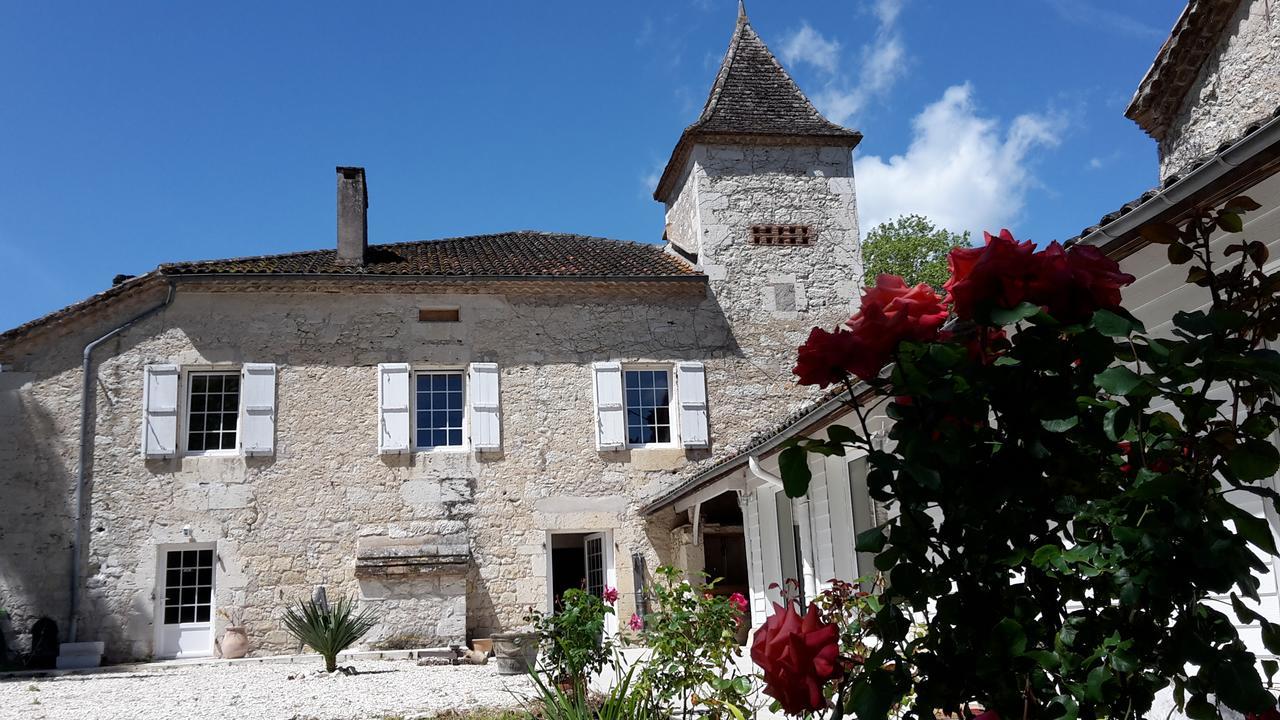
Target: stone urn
(515,653)
(235,643)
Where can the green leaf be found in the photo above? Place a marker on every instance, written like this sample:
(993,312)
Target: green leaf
(1114,325)
(794,465)
(1116,422)
(1061,425)
(1097,678)
(1270,667)
(842,434)
(1230,222)
(871,541)
(1242,203)
(1003,316)
(1118,380)
(1254,460)
(1252,528)
(1008,638)
(1179,253)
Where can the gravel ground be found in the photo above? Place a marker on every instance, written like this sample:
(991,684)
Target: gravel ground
(382,689)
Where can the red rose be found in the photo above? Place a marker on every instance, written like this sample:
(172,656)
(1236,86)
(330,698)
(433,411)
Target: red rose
(993,276)
(1098,274)
(891,312)
(1070,286)
(822,358)
(798,657)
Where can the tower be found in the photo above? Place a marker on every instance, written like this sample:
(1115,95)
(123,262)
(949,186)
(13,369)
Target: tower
(759,194)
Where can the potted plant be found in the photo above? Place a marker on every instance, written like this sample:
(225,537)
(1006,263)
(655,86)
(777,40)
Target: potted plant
(234,643)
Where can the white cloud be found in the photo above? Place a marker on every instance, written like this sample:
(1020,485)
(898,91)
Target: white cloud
(960,169)
(887,11)
(809,46)
(882,62)
(1082,13)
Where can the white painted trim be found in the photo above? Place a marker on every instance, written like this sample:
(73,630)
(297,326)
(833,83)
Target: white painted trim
(157,605)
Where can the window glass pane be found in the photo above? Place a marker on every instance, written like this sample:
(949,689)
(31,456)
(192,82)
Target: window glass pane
(187,613)
(171,615)
(213,411)
(438,399)
(647,401)
(202,613)
(188,559)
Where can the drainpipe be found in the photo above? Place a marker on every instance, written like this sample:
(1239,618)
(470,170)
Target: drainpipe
(753,463)
(86,396)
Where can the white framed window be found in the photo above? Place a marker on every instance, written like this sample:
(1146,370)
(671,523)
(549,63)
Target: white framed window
(439,399)
(212,412)
(649,401)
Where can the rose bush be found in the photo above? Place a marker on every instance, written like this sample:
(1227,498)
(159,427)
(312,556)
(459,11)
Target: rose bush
(1068,488)
(692,635)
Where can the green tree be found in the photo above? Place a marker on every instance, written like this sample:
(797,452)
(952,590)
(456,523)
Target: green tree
(911,247)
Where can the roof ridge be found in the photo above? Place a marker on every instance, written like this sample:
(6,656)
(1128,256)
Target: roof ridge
(403,243)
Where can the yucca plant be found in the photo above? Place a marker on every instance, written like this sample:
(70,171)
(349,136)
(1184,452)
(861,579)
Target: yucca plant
(329,628)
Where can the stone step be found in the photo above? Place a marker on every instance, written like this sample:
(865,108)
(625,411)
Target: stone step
(74,656)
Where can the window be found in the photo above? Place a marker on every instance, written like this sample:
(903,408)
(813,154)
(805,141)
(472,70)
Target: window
(438,409)
(188,586)
(213,411)
(648,405)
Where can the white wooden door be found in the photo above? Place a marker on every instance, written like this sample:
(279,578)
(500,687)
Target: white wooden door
(184,608)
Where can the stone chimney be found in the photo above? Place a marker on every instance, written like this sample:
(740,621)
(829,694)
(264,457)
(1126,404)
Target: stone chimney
(353,221)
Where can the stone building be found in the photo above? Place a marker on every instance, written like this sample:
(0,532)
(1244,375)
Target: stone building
(453,431)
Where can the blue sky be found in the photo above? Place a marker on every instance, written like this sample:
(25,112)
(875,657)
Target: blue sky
(137,133)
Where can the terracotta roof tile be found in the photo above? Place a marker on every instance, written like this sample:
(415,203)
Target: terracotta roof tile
(523,253)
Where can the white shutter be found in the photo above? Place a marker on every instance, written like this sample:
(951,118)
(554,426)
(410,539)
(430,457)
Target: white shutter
(611,426)
(486,431)
(770,543)
(691,383)
(755,568)
(258,408)
(159,411)
(393,408)
(843,532)
(820,525)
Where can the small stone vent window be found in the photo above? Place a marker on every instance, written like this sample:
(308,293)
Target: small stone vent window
(781,235)
(438,315)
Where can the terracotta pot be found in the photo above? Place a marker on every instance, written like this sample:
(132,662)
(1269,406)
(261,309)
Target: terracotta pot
(234,643)
(515,653)
(482,645)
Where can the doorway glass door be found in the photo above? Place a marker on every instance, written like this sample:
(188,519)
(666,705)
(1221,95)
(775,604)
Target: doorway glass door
(186,602)
(593,545)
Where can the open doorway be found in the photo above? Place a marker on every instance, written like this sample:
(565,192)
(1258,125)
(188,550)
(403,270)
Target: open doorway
(579,560)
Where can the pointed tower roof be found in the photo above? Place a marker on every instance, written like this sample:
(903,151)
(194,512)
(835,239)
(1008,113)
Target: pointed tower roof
(753,100)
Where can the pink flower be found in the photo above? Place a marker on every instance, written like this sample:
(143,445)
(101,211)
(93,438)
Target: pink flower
(636,623)
(739,602)
(610,594)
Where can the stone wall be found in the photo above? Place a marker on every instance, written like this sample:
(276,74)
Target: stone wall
(286,523)
(1238,85)
(732,187)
